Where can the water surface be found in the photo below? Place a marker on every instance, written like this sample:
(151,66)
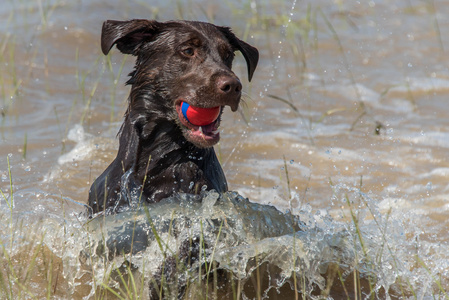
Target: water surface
(361,148)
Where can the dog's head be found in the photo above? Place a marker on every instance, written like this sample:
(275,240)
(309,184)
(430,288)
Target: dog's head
(180,62)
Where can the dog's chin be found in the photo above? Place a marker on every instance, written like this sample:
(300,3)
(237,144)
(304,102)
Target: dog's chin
(205,136)
(200,139)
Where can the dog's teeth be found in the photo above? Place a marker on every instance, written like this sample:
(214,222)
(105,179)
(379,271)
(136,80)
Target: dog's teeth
(201,130)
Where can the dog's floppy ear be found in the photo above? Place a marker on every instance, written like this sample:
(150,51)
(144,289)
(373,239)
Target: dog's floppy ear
(127,35)
(249,52)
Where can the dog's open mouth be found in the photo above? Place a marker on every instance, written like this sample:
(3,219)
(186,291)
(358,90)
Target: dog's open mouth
(205,134)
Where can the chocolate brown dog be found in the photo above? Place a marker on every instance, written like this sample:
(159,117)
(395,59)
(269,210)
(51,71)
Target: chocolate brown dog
(161,152)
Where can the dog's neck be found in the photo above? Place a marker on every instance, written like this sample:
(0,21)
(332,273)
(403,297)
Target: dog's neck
(162,161)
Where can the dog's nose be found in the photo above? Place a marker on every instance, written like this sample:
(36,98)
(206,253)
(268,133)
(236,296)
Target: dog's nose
(231,87)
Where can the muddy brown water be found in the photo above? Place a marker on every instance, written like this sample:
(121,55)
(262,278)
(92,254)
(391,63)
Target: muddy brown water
(365,131)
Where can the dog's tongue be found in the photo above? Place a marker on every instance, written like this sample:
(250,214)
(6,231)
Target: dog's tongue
(208,129)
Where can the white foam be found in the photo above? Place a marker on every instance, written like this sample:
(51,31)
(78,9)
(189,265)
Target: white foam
(422,84)
(441,172)
(397,203)
(353,92)
(82,149)
(438,139)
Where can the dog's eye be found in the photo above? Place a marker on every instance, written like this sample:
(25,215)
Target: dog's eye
(188,52)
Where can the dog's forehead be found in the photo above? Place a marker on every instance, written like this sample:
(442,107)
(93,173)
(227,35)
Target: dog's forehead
(200,33)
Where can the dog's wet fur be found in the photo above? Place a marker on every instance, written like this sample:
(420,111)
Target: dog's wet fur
(160,152)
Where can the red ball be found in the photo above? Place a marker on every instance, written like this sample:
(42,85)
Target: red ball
(199,116)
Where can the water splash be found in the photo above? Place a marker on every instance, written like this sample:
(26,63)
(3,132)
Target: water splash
(267,85)
(255,246)
(277,60)
(264,251)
